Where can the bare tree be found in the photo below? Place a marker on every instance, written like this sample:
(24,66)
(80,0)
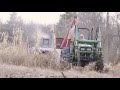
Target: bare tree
(116,19)
(108,39)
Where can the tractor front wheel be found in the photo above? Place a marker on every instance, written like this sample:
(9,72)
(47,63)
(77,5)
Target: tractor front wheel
(83,63)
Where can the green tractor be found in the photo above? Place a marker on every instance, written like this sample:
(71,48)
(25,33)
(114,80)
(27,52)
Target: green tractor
(83,51)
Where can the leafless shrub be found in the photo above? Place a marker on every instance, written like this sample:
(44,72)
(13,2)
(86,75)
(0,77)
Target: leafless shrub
(18,53)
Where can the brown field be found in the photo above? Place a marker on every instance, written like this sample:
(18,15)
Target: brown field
(13,71)
(16,61)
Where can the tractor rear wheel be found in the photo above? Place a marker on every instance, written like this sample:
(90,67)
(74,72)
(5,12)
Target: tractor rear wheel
(99,65)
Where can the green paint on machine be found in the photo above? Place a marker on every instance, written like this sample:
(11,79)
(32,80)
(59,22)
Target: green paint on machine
(83,51)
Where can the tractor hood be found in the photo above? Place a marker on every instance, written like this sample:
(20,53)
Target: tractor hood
(89,41)
(85,45)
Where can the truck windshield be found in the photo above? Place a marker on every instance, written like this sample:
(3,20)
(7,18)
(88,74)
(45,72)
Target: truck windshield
(46,42)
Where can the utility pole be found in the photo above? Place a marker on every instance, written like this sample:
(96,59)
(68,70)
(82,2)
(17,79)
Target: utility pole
(77,13)
(108,38)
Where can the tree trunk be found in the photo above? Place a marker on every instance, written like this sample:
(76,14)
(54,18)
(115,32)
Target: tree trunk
(118,45)
(108,39)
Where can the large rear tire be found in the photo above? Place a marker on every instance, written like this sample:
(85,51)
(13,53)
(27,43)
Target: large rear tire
(99,65)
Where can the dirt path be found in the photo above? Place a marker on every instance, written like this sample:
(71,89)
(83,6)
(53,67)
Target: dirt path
(11,71)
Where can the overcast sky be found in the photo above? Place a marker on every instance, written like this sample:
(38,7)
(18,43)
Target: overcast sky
(37,17)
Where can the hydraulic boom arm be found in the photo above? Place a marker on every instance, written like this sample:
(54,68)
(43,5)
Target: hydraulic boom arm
(64,42)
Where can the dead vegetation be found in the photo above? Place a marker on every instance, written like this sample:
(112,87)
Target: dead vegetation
(18,53)
(13,71)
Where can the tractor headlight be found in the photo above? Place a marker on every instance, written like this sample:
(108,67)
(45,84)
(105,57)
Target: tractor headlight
(89,49)
(82,49)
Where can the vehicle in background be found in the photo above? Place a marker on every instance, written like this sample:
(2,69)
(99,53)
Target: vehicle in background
(45,46)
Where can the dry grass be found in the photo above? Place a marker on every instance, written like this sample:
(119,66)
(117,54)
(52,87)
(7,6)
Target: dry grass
(22,56)
(114,70)
(18,53)
(13,71)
